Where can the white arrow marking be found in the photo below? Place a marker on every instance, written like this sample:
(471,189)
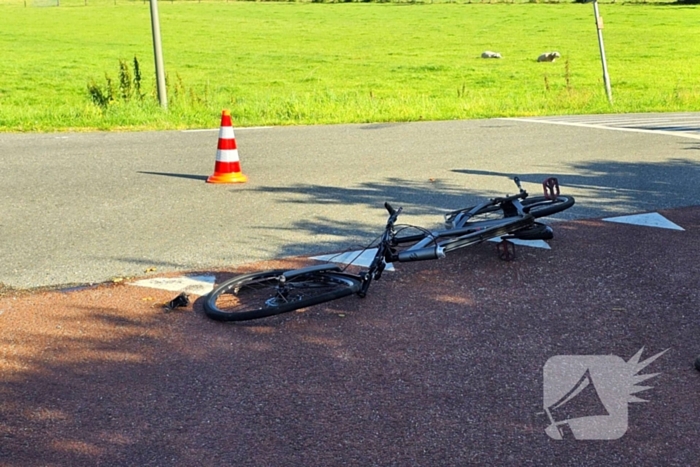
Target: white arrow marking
(652,219)
(356,258)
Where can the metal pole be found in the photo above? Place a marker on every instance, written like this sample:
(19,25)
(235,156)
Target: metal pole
(158,53)
(599,27)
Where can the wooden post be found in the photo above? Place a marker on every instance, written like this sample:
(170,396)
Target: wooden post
(599,28)
(158,55)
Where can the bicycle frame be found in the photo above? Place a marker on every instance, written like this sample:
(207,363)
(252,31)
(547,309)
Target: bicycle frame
(458,235)
(463,236)
(279,291)
(510,205)
(445,240)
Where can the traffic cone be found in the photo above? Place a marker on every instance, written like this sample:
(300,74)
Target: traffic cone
(228,167)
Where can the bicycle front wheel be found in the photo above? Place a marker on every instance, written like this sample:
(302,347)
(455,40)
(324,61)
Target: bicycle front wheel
(269,293)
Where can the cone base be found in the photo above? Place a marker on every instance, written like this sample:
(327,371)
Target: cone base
(235,177)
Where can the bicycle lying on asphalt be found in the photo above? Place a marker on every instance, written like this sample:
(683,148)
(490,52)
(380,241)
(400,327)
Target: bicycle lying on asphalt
(262,294)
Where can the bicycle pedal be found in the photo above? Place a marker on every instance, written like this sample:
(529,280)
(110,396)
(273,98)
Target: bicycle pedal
(506,250)
(551,188)
(181,300)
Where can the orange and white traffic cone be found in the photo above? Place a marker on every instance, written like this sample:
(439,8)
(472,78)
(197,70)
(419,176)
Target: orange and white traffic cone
(228,167)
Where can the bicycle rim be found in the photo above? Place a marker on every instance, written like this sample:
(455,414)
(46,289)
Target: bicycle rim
(263,294)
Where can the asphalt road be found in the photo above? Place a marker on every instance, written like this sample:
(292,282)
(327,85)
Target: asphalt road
(83,208)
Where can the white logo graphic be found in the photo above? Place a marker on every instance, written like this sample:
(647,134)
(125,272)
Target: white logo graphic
(586,396)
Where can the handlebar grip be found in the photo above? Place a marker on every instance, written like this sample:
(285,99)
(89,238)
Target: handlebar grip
(393,213)
(422,254)
(388,207)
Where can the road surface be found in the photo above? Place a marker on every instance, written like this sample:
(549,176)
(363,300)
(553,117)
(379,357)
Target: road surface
(84,208)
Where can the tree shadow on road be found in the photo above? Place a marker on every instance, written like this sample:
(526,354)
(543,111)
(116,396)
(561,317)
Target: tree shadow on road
(613,187)
(601,188)
(424,197)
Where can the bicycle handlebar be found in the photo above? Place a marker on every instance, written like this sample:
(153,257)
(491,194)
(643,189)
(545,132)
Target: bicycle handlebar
(393,214)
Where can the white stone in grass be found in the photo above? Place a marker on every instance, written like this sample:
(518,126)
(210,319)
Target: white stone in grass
(548,57)
(489,54)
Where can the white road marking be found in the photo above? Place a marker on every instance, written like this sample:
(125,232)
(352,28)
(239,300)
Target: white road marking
(686,125)
(197,285)
(652,219)
(356,258)
(241,128)
(530,243)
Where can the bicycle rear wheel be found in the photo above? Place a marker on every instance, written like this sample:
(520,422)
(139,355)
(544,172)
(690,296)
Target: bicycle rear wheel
(539,206)
(536,231)
(269,293)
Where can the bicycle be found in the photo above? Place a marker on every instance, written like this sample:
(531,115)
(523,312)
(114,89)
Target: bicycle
(262,294)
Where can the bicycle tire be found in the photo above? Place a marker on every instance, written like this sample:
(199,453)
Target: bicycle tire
(539,206)
(536,231)
(263,294)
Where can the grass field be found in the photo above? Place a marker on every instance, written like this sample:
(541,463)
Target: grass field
(307,63)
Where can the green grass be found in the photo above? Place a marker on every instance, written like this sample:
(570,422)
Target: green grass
(304,63)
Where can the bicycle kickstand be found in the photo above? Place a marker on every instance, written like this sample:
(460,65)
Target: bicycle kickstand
(506,250)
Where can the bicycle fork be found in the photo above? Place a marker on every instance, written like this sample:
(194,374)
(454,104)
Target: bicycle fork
(377,268)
